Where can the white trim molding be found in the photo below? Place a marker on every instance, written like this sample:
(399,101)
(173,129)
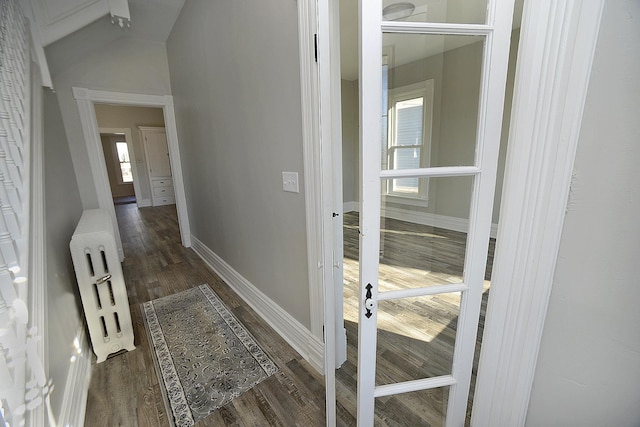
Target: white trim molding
(86,99)
(312,163)
(74,398)
(557,44)
(300,338)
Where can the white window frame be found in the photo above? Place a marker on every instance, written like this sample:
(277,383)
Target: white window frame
(425,90)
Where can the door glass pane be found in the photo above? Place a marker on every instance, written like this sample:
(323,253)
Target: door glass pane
(416,337)
(453,11)
(423,239)
(430,98)
(418,408)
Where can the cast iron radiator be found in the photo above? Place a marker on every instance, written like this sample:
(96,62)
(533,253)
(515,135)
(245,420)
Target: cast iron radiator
(101,284)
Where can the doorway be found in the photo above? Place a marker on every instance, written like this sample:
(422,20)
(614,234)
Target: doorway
(128,124)
(119,159)
(87,100)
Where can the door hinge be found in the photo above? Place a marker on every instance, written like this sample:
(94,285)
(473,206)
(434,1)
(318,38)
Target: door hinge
(315,47)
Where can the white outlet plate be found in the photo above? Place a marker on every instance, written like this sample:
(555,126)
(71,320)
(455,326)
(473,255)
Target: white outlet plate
(290,182)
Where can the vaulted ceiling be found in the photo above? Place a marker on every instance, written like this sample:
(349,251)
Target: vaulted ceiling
(71,29)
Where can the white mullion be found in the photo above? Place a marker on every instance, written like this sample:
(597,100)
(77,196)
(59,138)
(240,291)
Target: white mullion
(436,28)
(415,385)
(445,171)
(421,292)
(496,55)
(370,44)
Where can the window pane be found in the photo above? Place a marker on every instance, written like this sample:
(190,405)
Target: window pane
(409,117)
(420,245)
(454,11)
(417,408)
(446,72)
(125,168)
(123,152)
(406,158)
(416,337)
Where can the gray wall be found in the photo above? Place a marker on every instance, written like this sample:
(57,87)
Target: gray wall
(123,65)
(235,80)
(119,116)
(588,371)
(63,210)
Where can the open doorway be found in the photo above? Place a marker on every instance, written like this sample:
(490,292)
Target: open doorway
(123,130)
(118,160)
(88,100)
(429,119)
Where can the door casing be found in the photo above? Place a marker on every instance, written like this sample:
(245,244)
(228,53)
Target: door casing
(515,314)
(85,99)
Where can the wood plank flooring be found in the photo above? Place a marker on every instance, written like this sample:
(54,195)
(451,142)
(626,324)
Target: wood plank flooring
(124,390)
(416,340)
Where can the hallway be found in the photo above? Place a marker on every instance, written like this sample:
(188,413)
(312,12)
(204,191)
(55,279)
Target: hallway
(124,390)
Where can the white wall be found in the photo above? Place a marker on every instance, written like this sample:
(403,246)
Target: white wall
(122,65)
(588,371)
(236,86)
(63,210)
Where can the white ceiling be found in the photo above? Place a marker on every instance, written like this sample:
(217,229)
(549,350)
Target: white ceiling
(154,19)
(150,20)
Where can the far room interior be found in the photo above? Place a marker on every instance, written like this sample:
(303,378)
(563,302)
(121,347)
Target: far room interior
(135,151)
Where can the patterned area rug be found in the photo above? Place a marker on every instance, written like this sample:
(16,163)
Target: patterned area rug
(204,356)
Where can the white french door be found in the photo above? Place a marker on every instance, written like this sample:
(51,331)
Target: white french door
(463,47)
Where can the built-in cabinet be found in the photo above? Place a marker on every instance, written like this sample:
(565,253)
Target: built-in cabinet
(156,150)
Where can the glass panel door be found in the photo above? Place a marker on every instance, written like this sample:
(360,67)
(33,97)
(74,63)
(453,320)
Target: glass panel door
(434,83)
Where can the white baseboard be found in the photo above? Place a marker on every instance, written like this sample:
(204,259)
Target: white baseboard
(292,331)
(424,218)
(144,203)
(76,390)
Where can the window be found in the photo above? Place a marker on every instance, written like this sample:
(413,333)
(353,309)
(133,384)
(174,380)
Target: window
(125,162)
(408,137)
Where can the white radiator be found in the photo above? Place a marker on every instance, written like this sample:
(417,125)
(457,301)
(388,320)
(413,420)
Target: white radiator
(101,283)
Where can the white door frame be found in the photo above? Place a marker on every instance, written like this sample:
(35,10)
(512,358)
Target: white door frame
(128,137)
(557,43)
(85,99)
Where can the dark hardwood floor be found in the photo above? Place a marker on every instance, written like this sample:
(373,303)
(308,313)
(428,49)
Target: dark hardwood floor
(124,390)
(415,340)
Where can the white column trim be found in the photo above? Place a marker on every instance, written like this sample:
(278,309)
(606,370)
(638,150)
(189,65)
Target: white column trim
(38,308)
(556,49)
(85,99)
(312,163)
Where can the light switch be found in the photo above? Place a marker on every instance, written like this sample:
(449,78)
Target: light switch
(290,182)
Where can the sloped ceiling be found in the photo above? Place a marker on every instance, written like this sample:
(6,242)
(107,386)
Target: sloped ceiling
(150,20)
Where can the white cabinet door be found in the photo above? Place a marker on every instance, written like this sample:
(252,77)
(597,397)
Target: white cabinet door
(157,151)
(158,165)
